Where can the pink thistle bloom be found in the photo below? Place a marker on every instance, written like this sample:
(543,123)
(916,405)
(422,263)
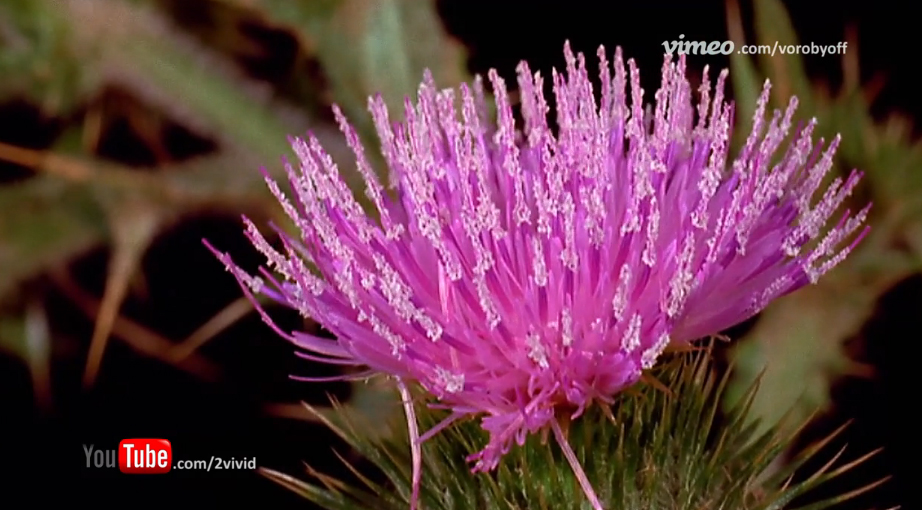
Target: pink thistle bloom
(523,276)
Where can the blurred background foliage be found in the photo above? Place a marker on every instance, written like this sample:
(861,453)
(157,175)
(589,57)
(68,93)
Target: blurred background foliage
(800,340)
(129,129)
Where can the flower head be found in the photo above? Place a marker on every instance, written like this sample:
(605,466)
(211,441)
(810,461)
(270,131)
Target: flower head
(521,276)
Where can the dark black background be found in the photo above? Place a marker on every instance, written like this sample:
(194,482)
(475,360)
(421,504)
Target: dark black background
(139,397)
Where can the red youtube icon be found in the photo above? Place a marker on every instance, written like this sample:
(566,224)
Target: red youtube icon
(145,456)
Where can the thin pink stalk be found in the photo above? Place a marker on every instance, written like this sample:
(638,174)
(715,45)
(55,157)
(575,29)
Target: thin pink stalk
(415,449)
(574,465)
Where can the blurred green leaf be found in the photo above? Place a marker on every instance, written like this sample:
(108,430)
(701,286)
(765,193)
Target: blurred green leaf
(130,44)
(796,349)
(402,39)
(46,220)
(139,49)
(785,69)
(368,47)
(37,59)
(288,13)
(796,346)
(743,74)
(374,400)
(135,47)
(798,341)
(43,222)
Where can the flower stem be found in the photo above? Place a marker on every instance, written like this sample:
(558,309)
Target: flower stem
(574,465)
(415,448)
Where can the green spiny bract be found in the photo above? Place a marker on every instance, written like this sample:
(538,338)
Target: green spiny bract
(659,447)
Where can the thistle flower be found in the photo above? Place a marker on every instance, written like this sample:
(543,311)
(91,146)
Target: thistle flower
(522,277)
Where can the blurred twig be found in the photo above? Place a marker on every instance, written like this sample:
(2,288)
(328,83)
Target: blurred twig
(221,321)
(135,335)
(52,164)
(133,228)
